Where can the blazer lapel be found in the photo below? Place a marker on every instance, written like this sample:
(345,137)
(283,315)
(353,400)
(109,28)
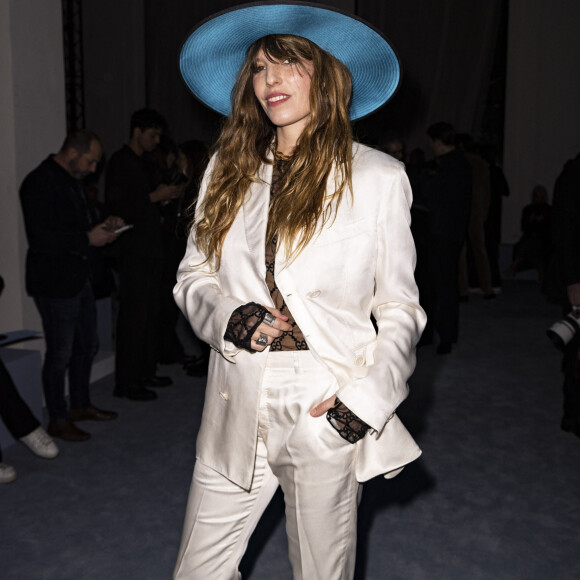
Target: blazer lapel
(282,264)
(76,195)
(255,212)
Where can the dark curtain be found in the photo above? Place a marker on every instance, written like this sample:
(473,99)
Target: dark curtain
(446,48)
(167,23)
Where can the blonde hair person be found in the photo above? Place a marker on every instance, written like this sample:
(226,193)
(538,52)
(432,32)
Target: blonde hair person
(300,235)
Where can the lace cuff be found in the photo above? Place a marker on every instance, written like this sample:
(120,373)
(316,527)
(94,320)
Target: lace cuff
(243,323)
(348,425)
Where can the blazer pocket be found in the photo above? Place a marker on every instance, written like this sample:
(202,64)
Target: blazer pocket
(338,232)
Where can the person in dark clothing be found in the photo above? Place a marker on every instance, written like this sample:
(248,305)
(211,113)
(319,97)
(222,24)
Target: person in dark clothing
(60,234)
(130,192)
(479,210)
(499,189)
(163,164)
(102,278)
(566,239)
(394,145)
(446,191)
(192,161)
(534,247)
(22,424)
(20,421)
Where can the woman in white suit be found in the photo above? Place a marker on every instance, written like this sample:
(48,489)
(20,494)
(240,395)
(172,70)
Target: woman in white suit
(300,235)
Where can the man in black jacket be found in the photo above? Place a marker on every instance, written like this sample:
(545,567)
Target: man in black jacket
(132,193)
(59,233)
(446,191)
(566,237)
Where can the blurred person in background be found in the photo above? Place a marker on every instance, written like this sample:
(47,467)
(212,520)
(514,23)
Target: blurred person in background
(60,234)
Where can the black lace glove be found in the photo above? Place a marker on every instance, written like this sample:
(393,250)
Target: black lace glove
(348,425)
(243,323)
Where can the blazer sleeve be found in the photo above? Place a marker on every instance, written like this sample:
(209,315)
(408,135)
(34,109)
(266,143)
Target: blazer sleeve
(400,320)
(199,295)
(48,215)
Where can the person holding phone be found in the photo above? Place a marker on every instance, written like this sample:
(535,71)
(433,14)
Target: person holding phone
(60,235)
(132,193)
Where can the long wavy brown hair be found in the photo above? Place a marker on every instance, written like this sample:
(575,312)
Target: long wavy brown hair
(248,136)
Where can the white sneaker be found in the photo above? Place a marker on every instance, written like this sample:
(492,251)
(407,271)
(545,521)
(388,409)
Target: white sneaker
(40,443)
(7,473)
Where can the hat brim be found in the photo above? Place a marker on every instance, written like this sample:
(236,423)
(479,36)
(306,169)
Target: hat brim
(213,53)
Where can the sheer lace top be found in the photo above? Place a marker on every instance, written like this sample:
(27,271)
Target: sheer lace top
(292,339)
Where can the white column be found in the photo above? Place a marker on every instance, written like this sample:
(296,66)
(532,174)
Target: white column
(32,125)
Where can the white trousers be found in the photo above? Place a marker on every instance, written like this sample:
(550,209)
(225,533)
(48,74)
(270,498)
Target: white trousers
(305,456)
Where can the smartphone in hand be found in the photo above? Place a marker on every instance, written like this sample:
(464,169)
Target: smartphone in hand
(123,229)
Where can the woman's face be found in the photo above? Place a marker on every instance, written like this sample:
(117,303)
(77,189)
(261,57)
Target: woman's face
(283,91)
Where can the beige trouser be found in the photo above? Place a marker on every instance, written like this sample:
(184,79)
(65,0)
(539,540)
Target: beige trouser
(307,458)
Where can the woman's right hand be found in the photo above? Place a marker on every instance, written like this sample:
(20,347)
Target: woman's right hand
(253,326)
(270,331)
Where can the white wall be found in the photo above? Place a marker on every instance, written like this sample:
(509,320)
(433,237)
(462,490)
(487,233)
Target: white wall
(32,125)
(11,301)
(542,127)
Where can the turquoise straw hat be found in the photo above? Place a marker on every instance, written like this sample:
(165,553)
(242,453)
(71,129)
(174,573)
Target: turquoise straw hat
(214,51)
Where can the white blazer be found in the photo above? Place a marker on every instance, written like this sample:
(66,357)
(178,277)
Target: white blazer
(361,262)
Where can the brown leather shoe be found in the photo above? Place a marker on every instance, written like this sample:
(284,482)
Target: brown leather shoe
(67,430)
(91,413)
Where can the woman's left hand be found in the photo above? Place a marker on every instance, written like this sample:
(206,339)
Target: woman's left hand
(321,408)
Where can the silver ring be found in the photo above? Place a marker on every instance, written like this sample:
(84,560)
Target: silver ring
(262,340)
(269,319)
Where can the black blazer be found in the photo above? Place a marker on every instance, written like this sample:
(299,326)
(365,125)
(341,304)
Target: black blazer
(57,222)
(566,221)
(447,193)
(128,183)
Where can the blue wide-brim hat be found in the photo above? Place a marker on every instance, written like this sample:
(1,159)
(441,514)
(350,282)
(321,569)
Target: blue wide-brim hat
(214,51)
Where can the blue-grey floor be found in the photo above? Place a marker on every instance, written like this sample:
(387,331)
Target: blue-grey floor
(496,494)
